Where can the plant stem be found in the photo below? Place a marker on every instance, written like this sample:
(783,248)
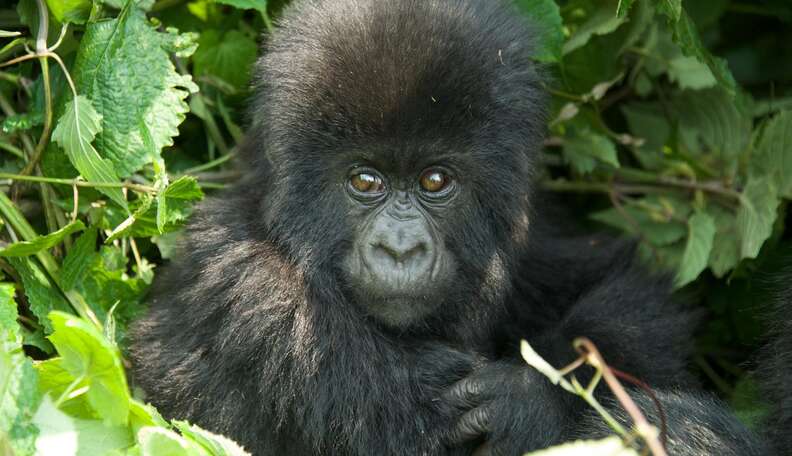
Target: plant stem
(79,183)
(43,27)
(209,165)
(45,134)
(652,179)
(12,149)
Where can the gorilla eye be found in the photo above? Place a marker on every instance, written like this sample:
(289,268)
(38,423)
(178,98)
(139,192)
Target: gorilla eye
(435,181)
(367,183)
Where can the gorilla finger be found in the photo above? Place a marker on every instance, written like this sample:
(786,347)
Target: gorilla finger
(466,393)
(473,425)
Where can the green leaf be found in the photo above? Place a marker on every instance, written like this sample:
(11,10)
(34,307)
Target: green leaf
(155,441)
(725,254)
(184,188)
(65,435)
(18,391)
(79,259)
(74,133)
(713,118)
(226,55)
(86,354)
(671,8)
(701,233)
(757,213)
(687,37)
(602,22)
(259,5)
(70,11)
(773,154)
(690,73)
(173,203)
(42,294)
(27,248)
(643,224)
(549,27)
(124,67)
(582,152)
(216,445)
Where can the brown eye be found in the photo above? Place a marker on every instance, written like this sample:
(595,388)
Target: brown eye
(367,183)
(434,181)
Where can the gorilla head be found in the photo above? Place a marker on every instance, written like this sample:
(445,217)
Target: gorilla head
(396,143)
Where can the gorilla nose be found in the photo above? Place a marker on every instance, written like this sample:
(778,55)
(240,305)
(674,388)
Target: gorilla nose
(402,252)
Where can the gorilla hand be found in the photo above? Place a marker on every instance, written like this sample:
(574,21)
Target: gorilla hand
(505,409)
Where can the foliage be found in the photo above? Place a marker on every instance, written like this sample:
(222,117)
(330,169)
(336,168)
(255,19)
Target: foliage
(670,121)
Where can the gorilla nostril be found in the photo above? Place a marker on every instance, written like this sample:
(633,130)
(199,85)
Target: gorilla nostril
(403,252)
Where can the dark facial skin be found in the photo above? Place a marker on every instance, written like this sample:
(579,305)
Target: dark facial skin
(398,262)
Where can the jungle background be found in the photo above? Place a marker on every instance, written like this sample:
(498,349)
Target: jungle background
(670,121)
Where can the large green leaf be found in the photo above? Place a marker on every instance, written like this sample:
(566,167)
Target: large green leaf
(123,66)
(27,248)
(18,390)
(74,133)
(66,435)
(773,155)
(687,37)
(87,355)
(550,28)
(713,118)
(757,213)
(701,233)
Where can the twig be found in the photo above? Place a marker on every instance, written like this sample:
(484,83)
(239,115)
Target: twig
(587,348)
(209,165)
(80,183)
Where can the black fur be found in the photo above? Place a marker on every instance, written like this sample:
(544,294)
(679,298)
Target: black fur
(252,334)
(776,366)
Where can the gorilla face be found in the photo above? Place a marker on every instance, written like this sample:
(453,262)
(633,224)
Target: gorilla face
(397,174)
(399,266)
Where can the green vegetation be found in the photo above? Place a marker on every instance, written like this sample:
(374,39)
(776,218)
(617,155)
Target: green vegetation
(670,121)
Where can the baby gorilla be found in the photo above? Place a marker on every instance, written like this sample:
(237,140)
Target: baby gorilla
(364,288)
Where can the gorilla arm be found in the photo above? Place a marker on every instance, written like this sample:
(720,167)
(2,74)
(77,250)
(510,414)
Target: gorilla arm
(639,329)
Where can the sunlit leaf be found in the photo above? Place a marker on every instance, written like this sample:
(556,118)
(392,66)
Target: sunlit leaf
(701,233)
(27,248)
(74,133)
